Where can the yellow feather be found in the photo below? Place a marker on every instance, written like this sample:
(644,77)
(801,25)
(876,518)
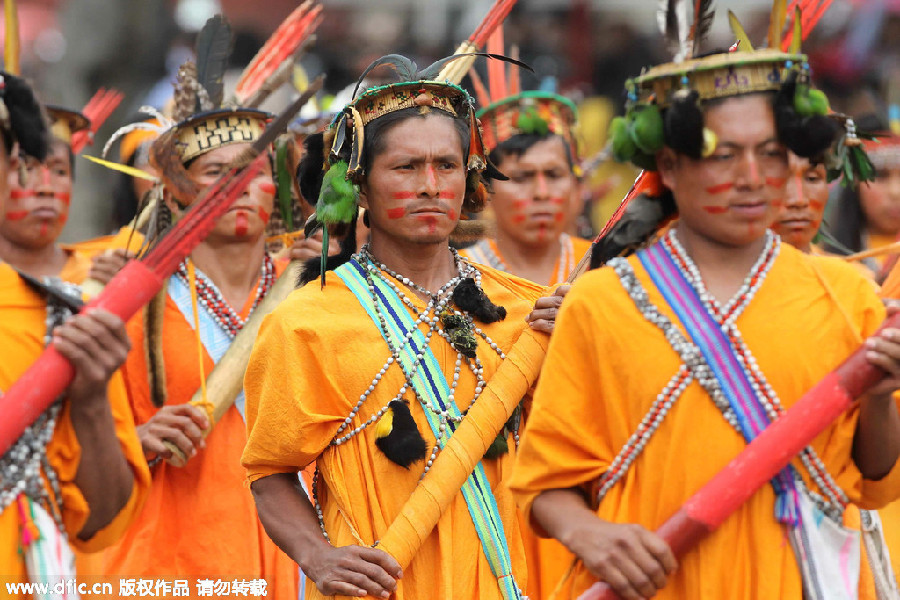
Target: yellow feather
(798,32)
(776,23)
(738,30)
(385,424)
(11,43)
(134,172)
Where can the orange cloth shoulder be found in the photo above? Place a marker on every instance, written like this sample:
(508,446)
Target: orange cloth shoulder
(125,238)
(22,327)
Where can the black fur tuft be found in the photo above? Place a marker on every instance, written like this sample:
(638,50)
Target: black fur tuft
(29,127)
(470,298)
(808,137)
(405,444)
(683,124)
(310,171)
(641,220)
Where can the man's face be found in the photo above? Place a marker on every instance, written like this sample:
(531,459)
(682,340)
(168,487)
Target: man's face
(732,196)
(415,187)
(37,211)
(248,216)
(534,207)
(805,198)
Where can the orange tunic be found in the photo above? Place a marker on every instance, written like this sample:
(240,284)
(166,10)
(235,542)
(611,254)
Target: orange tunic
(22,328)
(487,253)
(609,363)
(293,415)
(199,521)
(125,238)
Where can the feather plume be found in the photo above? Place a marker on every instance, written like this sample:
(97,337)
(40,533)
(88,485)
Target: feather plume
(704,13)
(11,42)
(405,68)
(671,17)
(740,35)
(213,48)
(133,171)
(280,47)
(97,110)
(515,85)
(776,23)
(185,94)
(496,70)
(495,17)
(480,91)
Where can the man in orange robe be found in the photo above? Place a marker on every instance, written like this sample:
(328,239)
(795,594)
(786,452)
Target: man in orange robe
(647,420)
(78,474)
(199,523)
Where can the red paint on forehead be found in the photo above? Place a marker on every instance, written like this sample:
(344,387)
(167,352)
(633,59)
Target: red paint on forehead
(715,210)
(16,215)
(403,195)
(267,187)
(396,213)
(263,215)
(720,188)
(776,182)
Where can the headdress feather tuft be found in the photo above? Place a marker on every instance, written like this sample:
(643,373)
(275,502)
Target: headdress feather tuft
(213,48)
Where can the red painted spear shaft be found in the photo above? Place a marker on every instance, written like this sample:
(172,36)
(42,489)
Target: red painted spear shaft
(764,457)
(137,283)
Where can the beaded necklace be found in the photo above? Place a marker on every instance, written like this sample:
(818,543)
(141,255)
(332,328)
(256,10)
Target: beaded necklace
(696,368)
(435,317)
(487,252)
(209,296)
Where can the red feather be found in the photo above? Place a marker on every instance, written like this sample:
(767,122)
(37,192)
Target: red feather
(496,68)
(289,36)
(97,110)
(492,20)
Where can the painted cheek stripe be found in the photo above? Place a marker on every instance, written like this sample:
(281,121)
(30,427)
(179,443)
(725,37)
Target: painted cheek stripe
(451,214)
(267,187)
(396,213)
(719,189)
(263,215)
(445,195)
(716,210)
(775,182)
(403,195)
(64,197)
(18,193)
(16,215)
(816,204)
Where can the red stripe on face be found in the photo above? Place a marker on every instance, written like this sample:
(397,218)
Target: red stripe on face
(429,220)
(816,205)
(241,223)
(16,215)
(18,193)
(716,210)
(263,215)
(558,217)
(396,213)
(776,182)
(719,189)
(267,187)
(778,202)
(445,195)
(451,214)
(518,218)
(559,201)
(43,230)
(64,197)
(520,204)
(403,195)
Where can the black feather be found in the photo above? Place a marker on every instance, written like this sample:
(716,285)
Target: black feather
(405,444)
(405,68)
(213,48)
(432,70)
(643,217)
(29,127)
(310,172)
(704,13)
(470,298)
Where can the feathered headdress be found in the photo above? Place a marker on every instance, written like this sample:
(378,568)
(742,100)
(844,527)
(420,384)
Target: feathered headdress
(507,111)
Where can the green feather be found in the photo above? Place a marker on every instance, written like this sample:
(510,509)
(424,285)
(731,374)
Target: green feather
(338,198)
(530,121)
(285,202)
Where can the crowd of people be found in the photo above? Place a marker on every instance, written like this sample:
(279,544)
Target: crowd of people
(394,368)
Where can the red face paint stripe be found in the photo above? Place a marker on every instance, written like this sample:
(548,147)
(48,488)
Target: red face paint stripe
(715,210)
(263,215)
(816,204)
(16,215)
(18,193)
(778,202)
(446,195)
(64,197)
(267,187)
(403,195)
(43,231)
(558,217)
(518,218)
(559,201)
(241,223)
(776,181)
(519,203)
(396,213)
(451,214)
(718,189)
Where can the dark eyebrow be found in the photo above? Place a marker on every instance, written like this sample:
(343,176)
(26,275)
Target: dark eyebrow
(739,147)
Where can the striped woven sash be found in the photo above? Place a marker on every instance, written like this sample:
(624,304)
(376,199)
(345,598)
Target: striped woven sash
(431,385)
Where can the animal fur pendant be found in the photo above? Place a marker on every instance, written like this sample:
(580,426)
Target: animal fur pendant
(470,298)
(397,435)
(459,332)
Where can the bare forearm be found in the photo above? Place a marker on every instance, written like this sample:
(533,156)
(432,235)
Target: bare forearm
(876,444)
(288,517)
(564,515)
(104,476)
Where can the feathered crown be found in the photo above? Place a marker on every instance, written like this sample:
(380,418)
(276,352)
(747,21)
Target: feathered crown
(65,122)
(508,111)
(692,79)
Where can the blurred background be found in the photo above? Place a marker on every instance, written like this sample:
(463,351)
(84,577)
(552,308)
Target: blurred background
(586,48)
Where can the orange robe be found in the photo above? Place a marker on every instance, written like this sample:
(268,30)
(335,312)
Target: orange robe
(578,248)
(22,329)
(293,414)
(125,238)
(199,521)
(609,363)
